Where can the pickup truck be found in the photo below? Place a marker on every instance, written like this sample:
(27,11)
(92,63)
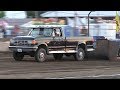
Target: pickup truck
(44,40)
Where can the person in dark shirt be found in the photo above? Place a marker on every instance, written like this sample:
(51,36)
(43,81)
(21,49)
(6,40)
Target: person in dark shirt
(4,32)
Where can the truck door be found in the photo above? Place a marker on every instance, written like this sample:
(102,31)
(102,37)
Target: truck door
(58,42)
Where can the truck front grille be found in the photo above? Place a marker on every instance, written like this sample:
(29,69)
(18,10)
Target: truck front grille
(20,43)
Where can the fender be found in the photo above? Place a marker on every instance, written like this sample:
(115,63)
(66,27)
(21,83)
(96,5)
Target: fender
(43,45)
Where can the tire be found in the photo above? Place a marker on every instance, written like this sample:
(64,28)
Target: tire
(80,55)
(57,56)
(40,55)
(18,56)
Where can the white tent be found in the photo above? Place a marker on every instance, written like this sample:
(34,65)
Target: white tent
(79,21)
(27,25)
(79,13)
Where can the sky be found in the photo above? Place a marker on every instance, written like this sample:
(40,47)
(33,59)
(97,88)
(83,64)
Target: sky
(15,14)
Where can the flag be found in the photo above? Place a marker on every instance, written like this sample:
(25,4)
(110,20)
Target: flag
(117,22)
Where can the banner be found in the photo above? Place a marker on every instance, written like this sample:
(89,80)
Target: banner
(117,22)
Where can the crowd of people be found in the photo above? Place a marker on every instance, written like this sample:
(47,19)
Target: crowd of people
(3,32)
(14,32)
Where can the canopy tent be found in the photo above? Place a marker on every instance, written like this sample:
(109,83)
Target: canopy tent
(78,13)
(78,22)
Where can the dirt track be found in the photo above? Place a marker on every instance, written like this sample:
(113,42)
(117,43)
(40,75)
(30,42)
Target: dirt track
(67,68)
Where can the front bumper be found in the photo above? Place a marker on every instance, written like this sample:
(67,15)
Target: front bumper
(23,49)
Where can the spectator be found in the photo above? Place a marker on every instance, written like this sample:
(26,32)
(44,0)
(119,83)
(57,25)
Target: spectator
(4,32)
(118,35)
(16,30)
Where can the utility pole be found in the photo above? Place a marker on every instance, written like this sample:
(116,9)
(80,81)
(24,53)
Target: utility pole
(88,20)
(75,23)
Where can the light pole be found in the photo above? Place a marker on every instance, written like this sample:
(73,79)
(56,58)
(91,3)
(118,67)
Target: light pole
(88,20)
(75,19)
(75,23)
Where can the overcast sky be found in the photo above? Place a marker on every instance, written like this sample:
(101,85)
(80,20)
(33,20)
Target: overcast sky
(15,14)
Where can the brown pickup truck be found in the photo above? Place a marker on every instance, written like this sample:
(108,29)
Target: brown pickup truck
(44,40)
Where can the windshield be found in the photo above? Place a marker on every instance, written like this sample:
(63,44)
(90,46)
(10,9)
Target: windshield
(41,32)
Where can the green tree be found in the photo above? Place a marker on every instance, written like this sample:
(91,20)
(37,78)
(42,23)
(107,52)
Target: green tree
(31,14)
(2,14)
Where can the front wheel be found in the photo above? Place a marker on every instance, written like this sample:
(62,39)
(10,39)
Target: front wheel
(80,55)
(18,56)
(40,55)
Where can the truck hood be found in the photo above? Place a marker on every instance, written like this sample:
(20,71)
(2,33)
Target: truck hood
(24,38)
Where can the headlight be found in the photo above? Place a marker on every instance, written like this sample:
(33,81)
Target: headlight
(29,42)
(33,42)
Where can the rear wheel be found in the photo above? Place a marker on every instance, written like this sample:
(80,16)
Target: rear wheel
(18,56)
(40,55)
(80,55)
(57,56)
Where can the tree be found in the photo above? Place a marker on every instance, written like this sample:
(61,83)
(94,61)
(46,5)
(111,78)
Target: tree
(33,14)
(2,14)
(30,14)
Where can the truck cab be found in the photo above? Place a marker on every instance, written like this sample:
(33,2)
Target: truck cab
(50,39)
